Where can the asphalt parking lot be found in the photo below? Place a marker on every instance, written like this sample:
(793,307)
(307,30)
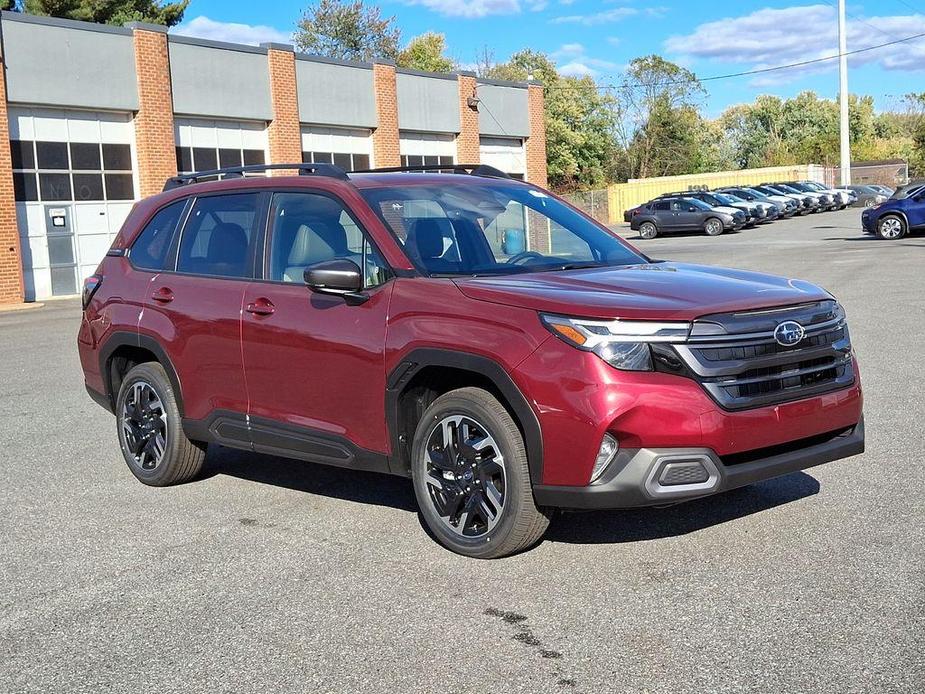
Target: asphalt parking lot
(269,575)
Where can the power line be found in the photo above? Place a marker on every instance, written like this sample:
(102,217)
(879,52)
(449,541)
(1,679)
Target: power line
(914,9)
(856,18)
(744,73)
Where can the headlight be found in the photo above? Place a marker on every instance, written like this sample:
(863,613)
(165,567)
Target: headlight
(623,344)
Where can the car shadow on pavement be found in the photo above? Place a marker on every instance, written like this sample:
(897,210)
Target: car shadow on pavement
(311,478)
(603,527)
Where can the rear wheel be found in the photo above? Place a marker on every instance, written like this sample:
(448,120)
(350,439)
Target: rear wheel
(648,230)
(151,435)
(713,227)
(891,227)
(471,478)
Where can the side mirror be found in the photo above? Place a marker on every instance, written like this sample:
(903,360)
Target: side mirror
(341,277)
(691,209)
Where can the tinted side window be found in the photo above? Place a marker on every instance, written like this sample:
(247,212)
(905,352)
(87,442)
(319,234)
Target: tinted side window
(661,205)
(310,228)
(219,235)
(150,248)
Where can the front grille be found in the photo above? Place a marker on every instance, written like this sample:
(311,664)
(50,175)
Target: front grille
(743,366)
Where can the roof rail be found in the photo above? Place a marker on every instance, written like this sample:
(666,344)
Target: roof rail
(471,169)
(329,170)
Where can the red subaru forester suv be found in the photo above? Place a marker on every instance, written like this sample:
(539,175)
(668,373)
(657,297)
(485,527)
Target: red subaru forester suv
(472,332)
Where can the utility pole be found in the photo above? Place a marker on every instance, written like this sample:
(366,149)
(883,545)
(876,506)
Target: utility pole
(843,96)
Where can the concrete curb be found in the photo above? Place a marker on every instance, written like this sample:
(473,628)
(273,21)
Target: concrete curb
(10,308)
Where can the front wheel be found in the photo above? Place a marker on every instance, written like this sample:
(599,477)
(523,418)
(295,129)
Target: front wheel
(151,435)
(471,478)
(891,227)
(713,227)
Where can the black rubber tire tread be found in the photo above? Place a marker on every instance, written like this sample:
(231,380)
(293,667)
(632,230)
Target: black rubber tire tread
(524,523)
(905,228)
(184,458)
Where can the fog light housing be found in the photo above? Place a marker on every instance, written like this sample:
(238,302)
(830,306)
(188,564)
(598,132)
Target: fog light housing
(605,455)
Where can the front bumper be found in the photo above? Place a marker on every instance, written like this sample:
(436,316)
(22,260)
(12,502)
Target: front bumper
(659,476)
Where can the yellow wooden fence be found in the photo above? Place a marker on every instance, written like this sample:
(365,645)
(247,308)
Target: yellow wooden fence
(624,196)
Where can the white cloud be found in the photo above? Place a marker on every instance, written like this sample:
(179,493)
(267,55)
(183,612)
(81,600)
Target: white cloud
(537,5)
(614,15)
(471,8)
(204,28)
(614,40)
(577,63)
(771,37)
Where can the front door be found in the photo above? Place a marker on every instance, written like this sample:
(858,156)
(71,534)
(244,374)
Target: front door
(686,216)
(315,363)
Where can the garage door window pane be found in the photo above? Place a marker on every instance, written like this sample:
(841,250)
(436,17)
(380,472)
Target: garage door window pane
(117,158)
(23,156)
(184,159)
(85,156)
(55,186)
(52,155)
(63,281)
(306,157)
(88,186)
(204,159)
(61,250)
(120,187)
(229,157)
(253,156)
(25,187)
(446,161)
(360,162)
(343,161)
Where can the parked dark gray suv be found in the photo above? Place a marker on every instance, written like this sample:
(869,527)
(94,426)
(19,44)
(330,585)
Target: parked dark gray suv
(668,215)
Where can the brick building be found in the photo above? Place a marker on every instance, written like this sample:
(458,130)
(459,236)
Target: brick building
(98,116)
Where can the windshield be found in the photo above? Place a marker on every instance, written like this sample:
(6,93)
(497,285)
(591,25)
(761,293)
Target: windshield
(815,187)
(727,198)
(493,228)
(756,194)
(699,204)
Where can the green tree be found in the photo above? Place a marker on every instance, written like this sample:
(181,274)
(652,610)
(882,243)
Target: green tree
(116,12)
(661,122)
(348,31)
(579,119)
(426,52)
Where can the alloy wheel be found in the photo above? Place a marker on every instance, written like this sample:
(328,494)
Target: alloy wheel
(144,426)
(465,476)
(714,227)
(891,228)
(648,230)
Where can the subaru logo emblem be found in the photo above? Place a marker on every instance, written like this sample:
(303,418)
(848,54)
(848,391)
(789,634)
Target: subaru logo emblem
(789,333)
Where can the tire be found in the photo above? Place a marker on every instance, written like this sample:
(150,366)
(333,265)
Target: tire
(461,490)
(713,227)
(869,202)
(150,429)
(648,230)
(891,227)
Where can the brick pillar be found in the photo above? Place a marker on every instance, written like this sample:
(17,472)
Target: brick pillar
(467,142)
(154,138)
(284,132)
(385,136)
(536,143)
(11,282)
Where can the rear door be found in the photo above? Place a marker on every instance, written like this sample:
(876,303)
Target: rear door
(664,217)
(687,216)
(194,308)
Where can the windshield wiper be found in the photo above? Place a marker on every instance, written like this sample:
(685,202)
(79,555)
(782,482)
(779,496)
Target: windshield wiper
(570,266)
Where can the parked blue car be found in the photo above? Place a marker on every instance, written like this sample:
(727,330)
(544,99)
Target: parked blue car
(897,216)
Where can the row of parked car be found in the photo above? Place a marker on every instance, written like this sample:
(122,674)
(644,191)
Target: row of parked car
(737,207)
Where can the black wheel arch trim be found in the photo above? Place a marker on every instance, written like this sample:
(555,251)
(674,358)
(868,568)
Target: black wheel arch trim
(124,338)
(424,357)
(893,213)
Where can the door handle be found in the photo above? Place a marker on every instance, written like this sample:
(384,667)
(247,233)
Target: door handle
(261,307)
(163,295)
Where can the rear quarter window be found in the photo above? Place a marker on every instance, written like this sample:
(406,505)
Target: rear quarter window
(150,248)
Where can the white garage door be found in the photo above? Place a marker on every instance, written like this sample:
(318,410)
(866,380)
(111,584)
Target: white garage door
(504,153)
(74,176)
(349,148)
(203,145)
(426,149)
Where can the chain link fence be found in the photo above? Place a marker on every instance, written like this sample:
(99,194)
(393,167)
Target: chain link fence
(892,173)
(591,202)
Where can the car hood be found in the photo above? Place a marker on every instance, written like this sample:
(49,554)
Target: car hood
(727,209)
(655,291)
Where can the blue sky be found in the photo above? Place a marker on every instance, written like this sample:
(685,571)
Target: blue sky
(599,37)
